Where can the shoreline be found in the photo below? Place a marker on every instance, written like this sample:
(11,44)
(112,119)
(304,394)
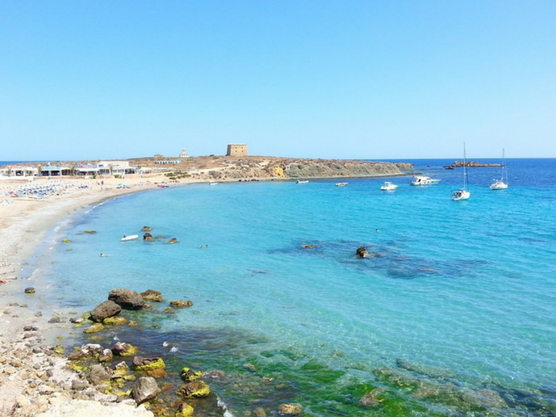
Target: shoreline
(33,378)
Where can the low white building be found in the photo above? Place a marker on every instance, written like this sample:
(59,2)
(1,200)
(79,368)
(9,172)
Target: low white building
(115,168)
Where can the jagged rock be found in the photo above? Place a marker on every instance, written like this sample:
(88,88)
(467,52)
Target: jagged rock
(152,295)
(154,367)
(124,349)
(127,299)
(194,389)
(361,252)
(144,389)
(189,375)
(146,229)
(181,303)
(148,237)
(291,409)
(104,310)
(99,374)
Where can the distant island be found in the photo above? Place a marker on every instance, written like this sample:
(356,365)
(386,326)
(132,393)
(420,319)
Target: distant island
(470,164)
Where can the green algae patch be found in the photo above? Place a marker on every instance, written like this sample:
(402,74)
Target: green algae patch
(59,350)
(94,328)
(154,367)
(115,321)
(66,241)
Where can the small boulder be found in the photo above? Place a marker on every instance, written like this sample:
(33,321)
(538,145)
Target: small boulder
(29,290)
(152,295)
(144,389)
(124,349)
(173,240)
(147,229)
(104,310)
(185,410)
(105,356)
(148,237)
(154,367)
(194,389)
(99,374)
(181,303)
(189,375)
(127,299)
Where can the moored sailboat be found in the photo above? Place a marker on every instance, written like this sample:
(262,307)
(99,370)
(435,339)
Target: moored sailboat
(463,193)
(500,184)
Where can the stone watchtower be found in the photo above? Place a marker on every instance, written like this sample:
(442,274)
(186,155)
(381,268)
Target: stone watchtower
(237,150)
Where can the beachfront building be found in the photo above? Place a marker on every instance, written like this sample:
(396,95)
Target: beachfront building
(86,169)
(236,149)
(19,171)
(115,168)
(55,170)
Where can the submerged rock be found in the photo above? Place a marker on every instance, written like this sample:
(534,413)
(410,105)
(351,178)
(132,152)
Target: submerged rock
(181,303)
(94,328)
(290,409)
(148,237)
(373,398)
(127,299)
(29,290)
(152,295)
(146,229)
(173,240)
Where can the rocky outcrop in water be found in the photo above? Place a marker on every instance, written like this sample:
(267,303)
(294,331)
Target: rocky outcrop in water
(127,299)
(471,164)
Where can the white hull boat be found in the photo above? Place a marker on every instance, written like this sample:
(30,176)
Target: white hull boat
(302,181)
(500,184)
(463,193)
(130,237)
(388,186)
(341,184)
(423,180)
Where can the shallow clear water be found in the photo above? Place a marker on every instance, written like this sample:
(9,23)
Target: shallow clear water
(468,287)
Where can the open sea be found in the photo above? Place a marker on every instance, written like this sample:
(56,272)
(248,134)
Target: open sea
(454,315)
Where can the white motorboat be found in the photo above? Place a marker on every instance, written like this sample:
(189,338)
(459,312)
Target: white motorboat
(341,184)
(130,237)
(213,183)
(500,184)
(462,193)
(424,180)
(388,186)
(302,181)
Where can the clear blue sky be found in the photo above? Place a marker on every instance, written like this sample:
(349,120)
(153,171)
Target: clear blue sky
(302,78)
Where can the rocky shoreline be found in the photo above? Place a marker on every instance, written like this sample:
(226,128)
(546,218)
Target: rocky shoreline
(471,164)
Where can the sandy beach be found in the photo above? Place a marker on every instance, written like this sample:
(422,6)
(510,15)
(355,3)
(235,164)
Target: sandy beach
(34,380)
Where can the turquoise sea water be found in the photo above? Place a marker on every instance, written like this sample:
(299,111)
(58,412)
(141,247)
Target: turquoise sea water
(454,314)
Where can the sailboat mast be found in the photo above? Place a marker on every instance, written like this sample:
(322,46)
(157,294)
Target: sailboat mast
(464,168)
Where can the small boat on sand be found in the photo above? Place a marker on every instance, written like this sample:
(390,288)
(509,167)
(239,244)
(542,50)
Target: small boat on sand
(388,186)
(130,237)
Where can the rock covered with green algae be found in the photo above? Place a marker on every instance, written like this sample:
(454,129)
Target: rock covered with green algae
(154,367)
(115,321)
(94,328)
(185,410)
(290,409)
(194,389)
(189,375)
(124,349)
